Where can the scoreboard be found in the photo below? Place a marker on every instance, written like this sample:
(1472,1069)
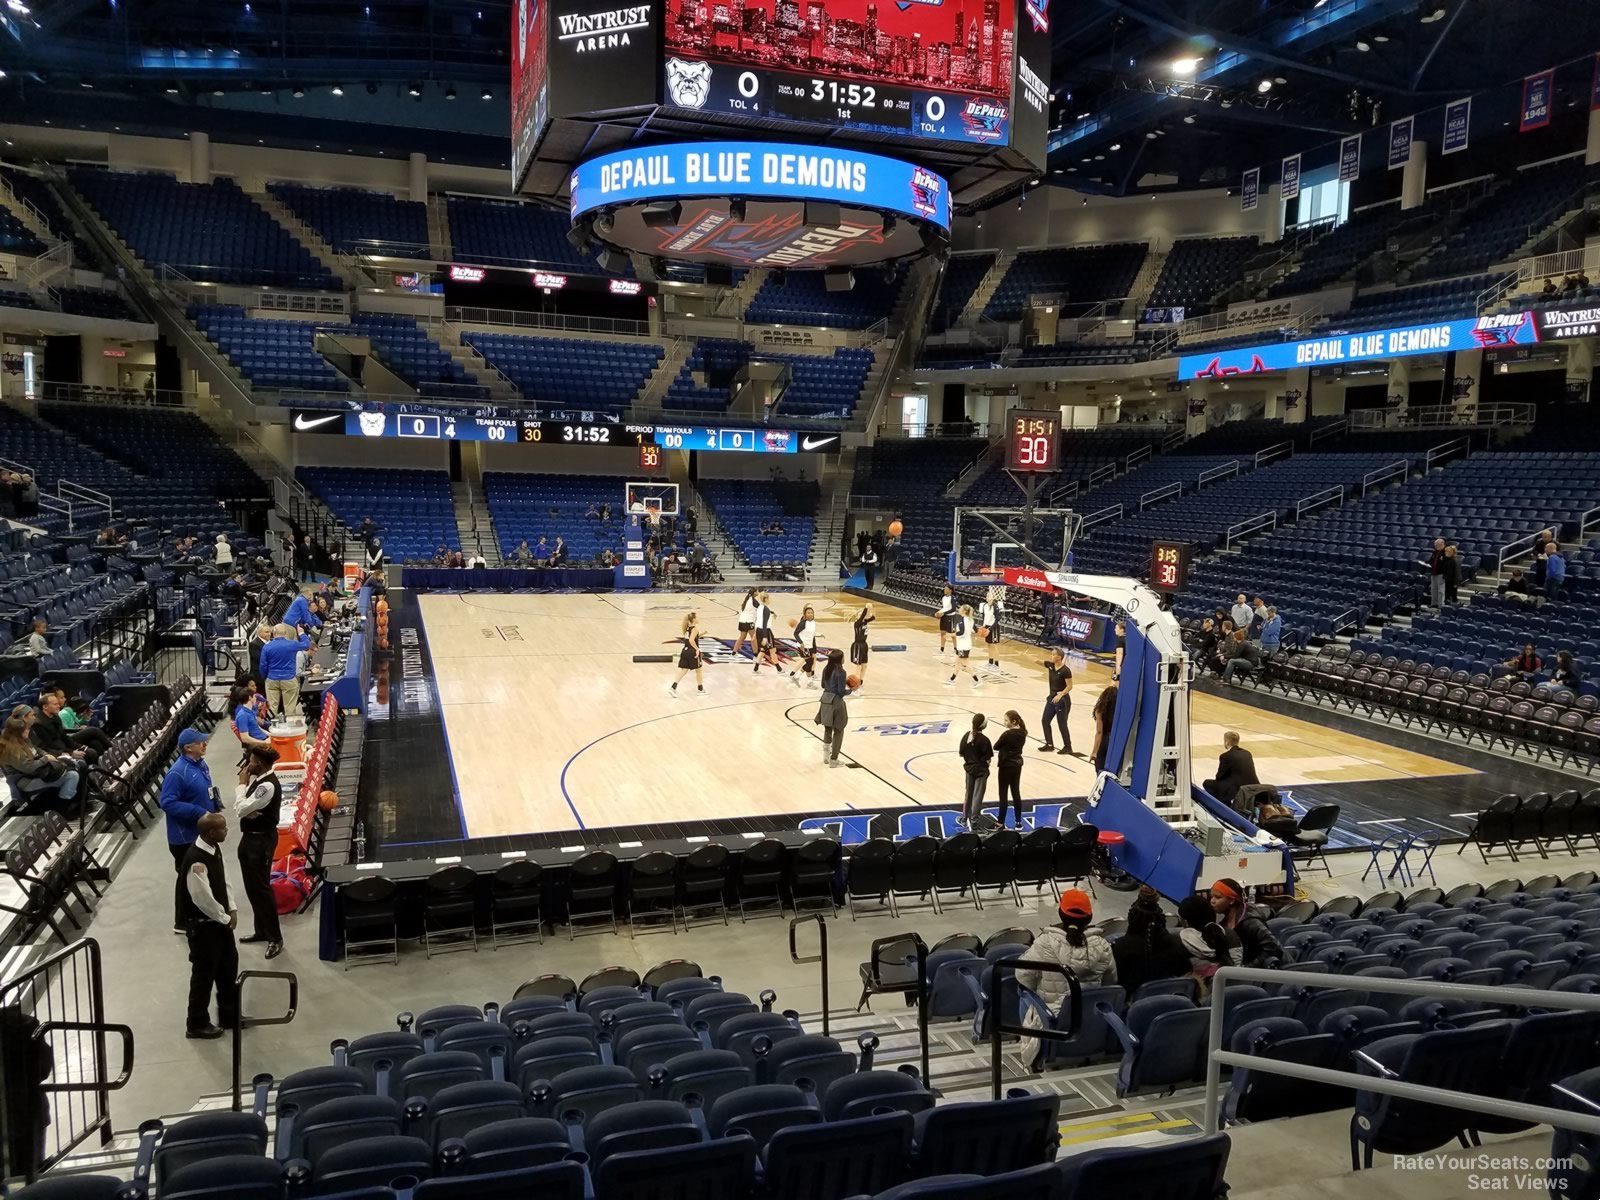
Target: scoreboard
(469,428)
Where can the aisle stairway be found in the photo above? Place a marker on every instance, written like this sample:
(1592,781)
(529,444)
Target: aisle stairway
(475,524)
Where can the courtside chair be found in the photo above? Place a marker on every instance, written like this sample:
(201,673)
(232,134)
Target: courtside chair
(1527,823)
(371,925)
(450,910)
(1035,859)
(758,880)
(955,868)
(1072,857)
(592,891)
(1493,829)
(703,884)
(810,873)
(1309,841)
(652,890)
(868,875)
(911,870)
(516,904)
(997,863)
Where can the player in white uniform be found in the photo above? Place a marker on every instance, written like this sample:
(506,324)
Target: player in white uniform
(965,624)
(993,605)
(805,635)
(747,621)
(946,615)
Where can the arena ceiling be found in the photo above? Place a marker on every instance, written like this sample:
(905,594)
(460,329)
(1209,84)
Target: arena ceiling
(1150,95)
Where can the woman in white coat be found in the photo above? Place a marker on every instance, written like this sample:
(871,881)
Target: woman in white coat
(1074,945)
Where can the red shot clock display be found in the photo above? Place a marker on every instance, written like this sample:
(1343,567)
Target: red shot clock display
(1033,441)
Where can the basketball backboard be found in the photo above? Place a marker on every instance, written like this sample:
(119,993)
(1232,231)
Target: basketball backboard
(652,496)
(985,541)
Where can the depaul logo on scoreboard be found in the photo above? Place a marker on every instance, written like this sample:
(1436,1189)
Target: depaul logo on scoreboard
(985,120)
(1039,13)
(926,188)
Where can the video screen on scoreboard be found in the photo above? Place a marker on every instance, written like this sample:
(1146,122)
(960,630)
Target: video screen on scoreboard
(939,71)
(530,96)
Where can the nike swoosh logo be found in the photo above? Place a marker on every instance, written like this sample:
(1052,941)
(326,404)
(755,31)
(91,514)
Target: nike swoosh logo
(305,422)
(811,443)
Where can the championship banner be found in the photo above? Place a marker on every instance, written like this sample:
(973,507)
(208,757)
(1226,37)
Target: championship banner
(1457,126)
(1350,159)
(1250,190)
(1537,93)
(1594,86)
(1290,185)
(1400,141)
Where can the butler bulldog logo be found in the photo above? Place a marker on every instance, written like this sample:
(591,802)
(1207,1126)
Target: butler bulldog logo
(372,424)
(688,83)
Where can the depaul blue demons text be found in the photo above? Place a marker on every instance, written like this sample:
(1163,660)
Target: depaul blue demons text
(760,170)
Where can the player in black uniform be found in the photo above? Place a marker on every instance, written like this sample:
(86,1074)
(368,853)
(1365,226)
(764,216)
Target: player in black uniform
(689,658)
(859,651)
(805,636)
(1058,703)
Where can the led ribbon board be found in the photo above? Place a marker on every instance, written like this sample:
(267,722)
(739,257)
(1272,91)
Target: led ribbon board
(755,204)
(1337,349)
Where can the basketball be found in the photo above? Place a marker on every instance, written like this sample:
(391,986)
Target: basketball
(853,681)
(792,622)
(896,527)
(329,800)
(983,631)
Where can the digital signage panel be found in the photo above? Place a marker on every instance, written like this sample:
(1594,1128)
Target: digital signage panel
(938,71)
(530,97)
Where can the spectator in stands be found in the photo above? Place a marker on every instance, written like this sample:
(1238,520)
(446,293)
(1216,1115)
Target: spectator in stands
(186,796)
(245,720)
(1073,944)
(1567,672)
(523,555)
(608,557)
(278,663)
(1271,635)
(50,734)
(1243,655)
(558,552)
(541,554)
(1261,949)
(1549,291)
(441,556)
(37,779)
(27,496)
(1528,663)
(691,522)
(1148,950)
(75,715)
(306,553)
(476,560)
(605,513)
(1452,575)
(374,553)
(1205,644)
(367,530)
(1436,574)
(1517,587)
(869,565)
(376,584)
(1235,768)
(593,511)
(1241,613)
(208,920)
(1209,943)
(1555,573)
(1258,617)
(37,643)
(259,808)
(1105,706)
(300,614)
(223,552)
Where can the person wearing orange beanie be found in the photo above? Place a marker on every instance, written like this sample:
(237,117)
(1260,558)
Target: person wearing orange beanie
(1261,948)
(1073,944)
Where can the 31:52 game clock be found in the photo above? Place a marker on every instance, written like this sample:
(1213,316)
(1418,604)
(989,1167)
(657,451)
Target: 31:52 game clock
(1169,566)
(1033,441)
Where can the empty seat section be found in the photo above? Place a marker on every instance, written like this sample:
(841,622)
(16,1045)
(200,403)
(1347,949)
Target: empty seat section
(357,221)
(579,373)
(413,509)
(270,353)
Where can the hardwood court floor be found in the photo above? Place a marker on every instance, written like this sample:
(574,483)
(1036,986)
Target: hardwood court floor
(552,726)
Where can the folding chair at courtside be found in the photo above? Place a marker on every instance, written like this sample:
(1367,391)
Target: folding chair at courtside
(1394,844)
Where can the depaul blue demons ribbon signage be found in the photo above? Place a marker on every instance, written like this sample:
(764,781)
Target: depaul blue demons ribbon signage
(761,170)
(1440,337)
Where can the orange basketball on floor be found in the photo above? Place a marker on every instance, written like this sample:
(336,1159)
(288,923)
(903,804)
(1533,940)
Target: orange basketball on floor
(852,681)
(896,527)
(329,800)
(792,622)
(983,631)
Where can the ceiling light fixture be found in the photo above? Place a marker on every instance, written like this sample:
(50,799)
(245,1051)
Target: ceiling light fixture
(1185,66)
(414,90)
(1188,118)
(1264,86)
(1380,37)
(1363,46)
(337,89)
(172,91)
(450,92)
(298,93)
(1115,146)
(1436,15)
(487,95)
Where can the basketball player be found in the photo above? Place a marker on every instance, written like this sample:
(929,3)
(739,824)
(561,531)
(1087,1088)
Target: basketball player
(946,615)
(766,643)
(747,621)
(859,651)
(805,634)
(689,658)
(965,624)
(993,605)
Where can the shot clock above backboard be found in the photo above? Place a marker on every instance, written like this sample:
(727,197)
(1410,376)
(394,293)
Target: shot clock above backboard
(1169,566)
(1033,441)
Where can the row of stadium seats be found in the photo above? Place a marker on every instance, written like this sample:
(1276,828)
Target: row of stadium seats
(1445,301)
(413,510)
(1496,227)
(357,221)
(406,349)
(270,353)
(819,384)
(571,372)
(533,506)
(802,298)
(962,275)
(1079,275)
(161,444)
(1197,269)
(746,506)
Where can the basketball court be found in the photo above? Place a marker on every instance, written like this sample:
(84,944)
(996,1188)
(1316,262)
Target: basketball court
(510,715)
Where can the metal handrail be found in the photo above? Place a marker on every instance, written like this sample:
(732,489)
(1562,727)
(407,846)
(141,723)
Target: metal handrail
(1498,997)
(821,956)
(1174,439)
(1318,500)
(1138,456)
(1111,512)
(1263,520)
(11,464)
(1451,449)
(517,319)
(242,1022)
(1157,495)
(1274,452)
(1591,517)
(1331,429)
(1067,491)
(1516,549)
(997,1028)
(66,488)
(1103,475)
(921,988)
(1400,467)
(1226,471)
